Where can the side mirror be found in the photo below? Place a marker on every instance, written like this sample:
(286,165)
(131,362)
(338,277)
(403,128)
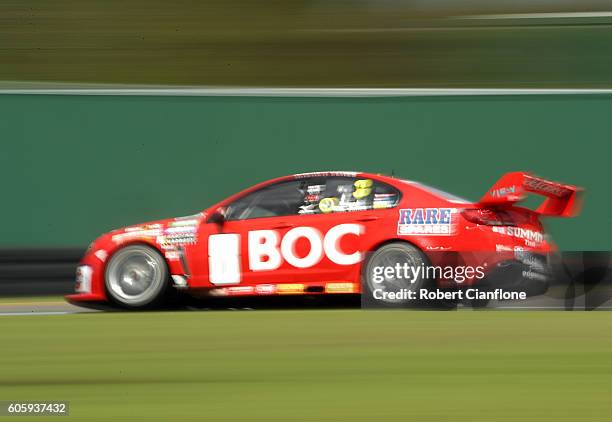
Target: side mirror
(217,217)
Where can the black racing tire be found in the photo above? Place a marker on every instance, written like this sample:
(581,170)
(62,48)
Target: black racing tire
(136,277)
(389,255)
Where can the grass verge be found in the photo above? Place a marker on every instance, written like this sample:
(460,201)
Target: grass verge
(313,365)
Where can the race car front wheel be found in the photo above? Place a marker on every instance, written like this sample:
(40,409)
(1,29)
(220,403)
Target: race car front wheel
(136,277)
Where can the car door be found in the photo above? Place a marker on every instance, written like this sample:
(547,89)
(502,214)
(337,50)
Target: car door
(348,212)
(245,248)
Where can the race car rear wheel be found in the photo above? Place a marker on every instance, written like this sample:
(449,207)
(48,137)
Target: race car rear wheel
(390,255)
(136,277)
(387,287)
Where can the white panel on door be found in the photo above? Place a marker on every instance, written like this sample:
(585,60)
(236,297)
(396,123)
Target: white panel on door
(224,258)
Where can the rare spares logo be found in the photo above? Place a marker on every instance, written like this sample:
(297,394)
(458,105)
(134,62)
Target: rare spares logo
(426,221)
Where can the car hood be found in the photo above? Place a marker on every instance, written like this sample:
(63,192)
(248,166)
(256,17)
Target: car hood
(168,230)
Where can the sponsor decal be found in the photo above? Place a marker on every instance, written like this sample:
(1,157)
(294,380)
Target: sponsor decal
(141,233)
(265,289)
(267,251)
(497,193)
(142,228)
(439,248)
(503,248)
(340,287)
(101,254)
(531,237)
(224,258)
(172,255)
(181,229)
(178,232)
(289,289)
(83,279)
(546,187)
(325,174)
(426,221)
(240,290)
(180,281)
(222,291)
(179,235)
(176,238)
(183,223)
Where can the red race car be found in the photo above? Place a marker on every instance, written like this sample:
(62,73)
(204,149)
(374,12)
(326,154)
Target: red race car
(326,233)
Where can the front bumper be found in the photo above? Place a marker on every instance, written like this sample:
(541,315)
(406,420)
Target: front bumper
(87,283)
(83,279)
(78,298)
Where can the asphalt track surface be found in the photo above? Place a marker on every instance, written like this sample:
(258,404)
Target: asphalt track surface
(58,306)
(39,307)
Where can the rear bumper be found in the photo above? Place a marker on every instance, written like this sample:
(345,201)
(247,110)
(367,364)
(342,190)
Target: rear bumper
(530,273)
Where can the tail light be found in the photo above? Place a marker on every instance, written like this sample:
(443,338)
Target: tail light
(487,217)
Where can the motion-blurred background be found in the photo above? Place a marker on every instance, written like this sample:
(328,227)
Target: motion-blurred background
(75,166)
(340,43)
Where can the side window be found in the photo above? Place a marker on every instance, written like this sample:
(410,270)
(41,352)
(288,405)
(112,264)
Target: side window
(340,194)
(280,199)
(385,196)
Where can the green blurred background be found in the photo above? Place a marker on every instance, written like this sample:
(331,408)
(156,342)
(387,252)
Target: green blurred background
(308,42)
(74,167)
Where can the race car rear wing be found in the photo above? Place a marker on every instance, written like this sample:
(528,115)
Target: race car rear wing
(561,200)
